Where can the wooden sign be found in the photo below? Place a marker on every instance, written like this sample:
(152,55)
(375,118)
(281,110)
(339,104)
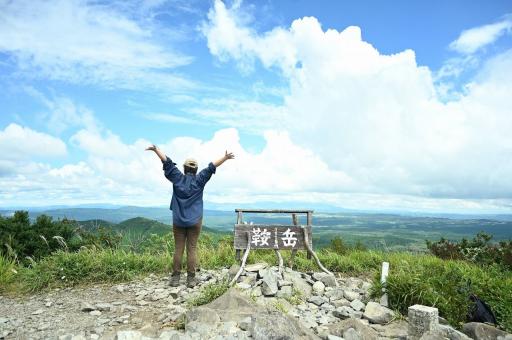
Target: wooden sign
(265,236)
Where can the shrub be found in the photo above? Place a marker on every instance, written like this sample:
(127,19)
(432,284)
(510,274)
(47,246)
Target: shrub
(478,250)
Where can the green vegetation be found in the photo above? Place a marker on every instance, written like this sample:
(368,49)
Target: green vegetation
(208,293)
(414,278)
(478,250)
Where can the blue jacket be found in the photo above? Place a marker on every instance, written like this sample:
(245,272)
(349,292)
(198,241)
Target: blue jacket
(187,193)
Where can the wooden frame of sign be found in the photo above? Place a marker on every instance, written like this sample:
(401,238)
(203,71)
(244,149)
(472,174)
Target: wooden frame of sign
(273,236)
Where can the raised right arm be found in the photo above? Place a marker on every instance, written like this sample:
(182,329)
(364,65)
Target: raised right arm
(171,172)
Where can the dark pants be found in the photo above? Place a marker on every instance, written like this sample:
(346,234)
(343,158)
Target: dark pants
(188,236)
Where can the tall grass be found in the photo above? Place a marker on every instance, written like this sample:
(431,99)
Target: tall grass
(414,278)
(7,272)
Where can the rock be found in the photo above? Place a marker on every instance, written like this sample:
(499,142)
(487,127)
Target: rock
(395,330)
(175,292)
(104,307)
(48,304)
(365,286)
(298,283)
(422,319)
(318,287)
(275,325)
(340,302)
(333,337)
(334,293)
(343,312)
(351,334)
(365,332)
(87,307)
(482,331)
(202,315)
(255,267)
(327,306)
(201,328)
(250,279)
(233,306)
(449,332)
(357,305)
(243,285)
(95,313)
(284,292)
(350,295)
(3,320)
(430,335)
(327,280)
(37,312)
(284,283)
(269,284)
(120,289)
(317,300)
(128,335)
(233,270)
(171,335)
(160,295)
(72,337)
(375,313)
(245,323)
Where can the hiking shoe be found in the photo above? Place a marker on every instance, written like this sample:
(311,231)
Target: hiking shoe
(174,280)
(191,280)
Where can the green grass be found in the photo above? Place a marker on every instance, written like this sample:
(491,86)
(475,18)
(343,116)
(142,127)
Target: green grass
(208,293)
(7,272)
(414,278)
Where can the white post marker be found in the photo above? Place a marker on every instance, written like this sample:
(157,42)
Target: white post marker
(383,278)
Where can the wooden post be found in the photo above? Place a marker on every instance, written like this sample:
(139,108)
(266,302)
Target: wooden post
(238,252)
(294,252)
(309,224)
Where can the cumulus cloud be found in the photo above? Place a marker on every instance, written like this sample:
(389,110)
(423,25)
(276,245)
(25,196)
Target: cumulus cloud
(473,39)
(125,173)
(86,42)
(19,142)
(378,118)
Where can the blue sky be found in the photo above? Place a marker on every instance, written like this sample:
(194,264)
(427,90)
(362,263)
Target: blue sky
(359,104)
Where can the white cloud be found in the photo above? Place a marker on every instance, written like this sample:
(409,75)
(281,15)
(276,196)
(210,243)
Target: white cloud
(473,39)
(86,42)
(63,113)
(376,118)
(18,142)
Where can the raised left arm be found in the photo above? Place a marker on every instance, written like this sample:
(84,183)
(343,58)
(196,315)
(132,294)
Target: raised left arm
(226,156)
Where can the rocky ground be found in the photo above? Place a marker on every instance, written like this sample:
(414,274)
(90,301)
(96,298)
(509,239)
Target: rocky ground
(264,304)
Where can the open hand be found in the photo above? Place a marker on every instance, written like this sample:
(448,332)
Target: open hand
(229,155)
(153,147)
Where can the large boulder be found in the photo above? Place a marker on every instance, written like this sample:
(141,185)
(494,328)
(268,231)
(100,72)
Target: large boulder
(364,331)
(273,325)
(375,313)
(482,331)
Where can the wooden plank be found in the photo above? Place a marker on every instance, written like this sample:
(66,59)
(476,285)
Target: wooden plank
(275,236)
(274,211)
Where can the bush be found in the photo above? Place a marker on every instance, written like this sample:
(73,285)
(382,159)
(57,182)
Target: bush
(33,241)
(338,246)
(479,250)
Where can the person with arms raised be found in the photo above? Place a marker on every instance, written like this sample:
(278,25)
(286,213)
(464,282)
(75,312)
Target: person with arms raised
(187,209)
